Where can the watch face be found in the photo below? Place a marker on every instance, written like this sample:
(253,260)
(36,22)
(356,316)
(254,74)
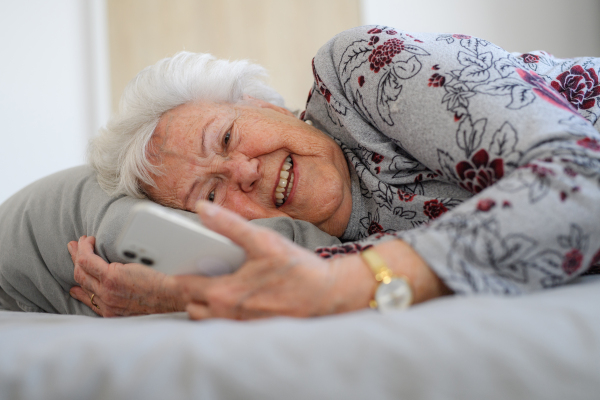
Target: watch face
(395,295)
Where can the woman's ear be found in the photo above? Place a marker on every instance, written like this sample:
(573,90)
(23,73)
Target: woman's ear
(265,104)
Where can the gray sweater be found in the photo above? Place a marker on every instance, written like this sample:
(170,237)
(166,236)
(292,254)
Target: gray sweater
(486,162)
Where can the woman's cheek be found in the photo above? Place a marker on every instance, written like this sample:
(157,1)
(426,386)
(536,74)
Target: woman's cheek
(241,204)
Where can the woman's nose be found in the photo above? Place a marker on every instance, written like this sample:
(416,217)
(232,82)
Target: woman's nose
(243,171)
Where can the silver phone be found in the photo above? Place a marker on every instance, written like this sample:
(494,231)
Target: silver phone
(170,243)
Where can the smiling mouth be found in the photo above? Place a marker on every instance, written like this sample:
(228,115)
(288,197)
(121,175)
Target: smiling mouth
(286,182)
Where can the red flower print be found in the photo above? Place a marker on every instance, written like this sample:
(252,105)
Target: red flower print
(569,172)
(479,172)
(373,40)
(596,258)
(377,170)
(579,86)
(589,143)
(530,58)
(403,196)
(485,204)
(506,204)
(433,208)
(418,178)
(391,32)
(375,227)
(325,92)
(539,171)
(377,158)
(544,91)
(361,80)
(459,36)
(563,196)
(436,67)
(374,30)
(436,80)
(383,54)
(572,261)
(350,248)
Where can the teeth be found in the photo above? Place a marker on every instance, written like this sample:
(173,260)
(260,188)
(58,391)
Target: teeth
(285,183)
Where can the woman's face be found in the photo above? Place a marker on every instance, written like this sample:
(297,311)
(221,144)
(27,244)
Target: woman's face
(234,155)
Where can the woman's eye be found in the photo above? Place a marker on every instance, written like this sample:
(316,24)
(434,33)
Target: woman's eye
(226,138)
(211,196)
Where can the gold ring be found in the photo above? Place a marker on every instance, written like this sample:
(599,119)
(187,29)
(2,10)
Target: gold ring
(92,301)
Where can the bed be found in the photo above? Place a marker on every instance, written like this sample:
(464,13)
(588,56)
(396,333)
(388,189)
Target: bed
(540,346)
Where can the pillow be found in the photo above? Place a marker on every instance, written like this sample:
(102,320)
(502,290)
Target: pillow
(36,271)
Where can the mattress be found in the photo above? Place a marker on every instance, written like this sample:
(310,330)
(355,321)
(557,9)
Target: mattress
(540,346)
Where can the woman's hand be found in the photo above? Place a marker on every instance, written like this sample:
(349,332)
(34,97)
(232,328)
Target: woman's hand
(278,277)
(281,278)
(121,289)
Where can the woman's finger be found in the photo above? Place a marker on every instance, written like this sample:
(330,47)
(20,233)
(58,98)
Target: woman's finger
(257,241)
(82,277)
(81,295)
(72,246)
(91,263)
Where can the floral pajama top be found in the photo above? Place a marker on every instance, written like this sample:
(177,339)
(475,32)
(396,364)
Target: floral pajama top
(487,163)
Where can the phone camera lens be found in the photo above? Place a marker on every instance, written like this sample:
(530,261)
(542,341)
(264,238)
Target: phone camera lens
(147,261)
(129,254)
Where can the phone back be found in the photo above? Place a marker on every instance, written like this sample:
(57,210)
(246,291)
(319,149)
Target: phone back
(173,244)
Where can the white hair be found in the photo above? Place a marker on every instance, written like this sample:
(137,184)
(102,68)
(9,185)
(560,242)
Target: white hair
(118,153)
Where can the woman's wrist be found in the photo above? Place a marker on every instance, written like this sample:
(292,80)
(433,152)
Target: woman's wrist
(176,292)
(355,284)
(403,260)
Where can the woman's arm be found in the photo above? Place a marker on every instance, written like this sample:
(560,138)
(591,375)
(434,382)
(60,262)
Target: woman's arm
(278,278)
(424,117)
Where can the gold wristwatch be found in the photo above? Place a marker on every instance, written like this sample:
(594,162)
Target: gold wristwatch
(393,291)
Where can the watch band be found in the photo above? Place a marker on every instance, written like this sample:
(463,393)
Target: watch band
(382,273)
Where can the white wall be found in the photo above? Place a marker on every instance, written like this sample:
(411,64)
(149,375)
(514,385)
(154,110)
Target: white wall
(53,86)
(565,28)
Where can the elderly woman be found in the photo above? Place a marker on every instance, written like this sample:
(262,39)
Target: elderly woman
(444,163)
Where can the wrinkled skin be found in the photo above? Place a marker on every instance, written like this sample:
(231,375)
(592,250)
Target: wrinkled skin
(233,154)
(119,289)
(278,278)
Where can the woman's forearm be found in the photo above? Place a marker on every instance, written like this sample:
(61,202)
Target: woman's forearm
(354,275)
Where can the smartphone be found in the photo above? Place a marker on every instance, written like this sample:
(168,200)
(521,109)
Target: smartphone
(173,244)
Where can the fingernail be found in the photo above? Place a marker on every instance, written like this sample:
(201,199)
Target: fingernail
(71,292)
(206,208)
(70,247)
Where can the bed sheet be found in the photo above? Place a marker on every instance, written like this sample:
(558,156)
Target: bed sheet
(540,346)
